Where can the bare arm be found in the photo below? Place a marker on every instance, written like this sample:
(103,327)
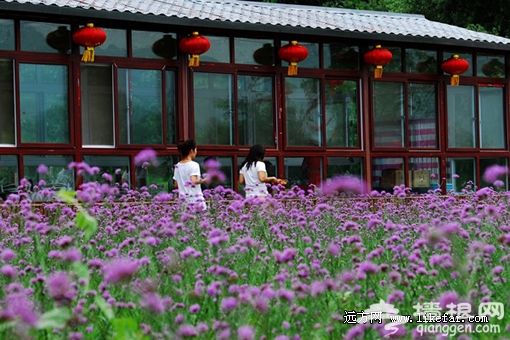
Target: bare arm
(241,179)
(197,180)
(175,185)
(264,179)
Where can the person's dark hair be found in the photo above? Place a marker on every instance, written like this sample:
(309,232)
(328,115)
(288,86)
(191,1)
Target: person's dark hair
(257,153)
(185,146)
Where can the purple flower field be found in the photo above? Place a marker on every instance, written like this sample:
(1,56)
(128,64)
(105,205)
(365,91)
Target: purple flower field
(287,267)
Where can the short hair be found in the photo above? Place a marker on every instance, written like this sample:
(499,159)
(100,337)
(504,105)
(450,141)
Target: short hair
(185,146)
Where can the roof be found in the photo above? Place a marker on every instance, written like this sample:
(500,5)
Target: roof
(269,17)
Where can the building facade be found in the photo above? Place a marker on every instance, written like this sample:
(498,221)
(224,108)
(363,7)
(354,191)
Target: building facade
(411,126)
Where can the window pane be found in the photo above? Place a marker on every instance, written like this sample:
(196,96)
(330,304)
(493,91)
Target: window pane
(467,56)
(492,122)
(115,44)
(492,66)
(214,108)
(255,104)
(219,51)
(7,37)
(312,61)
(115,166)
(423,174)
(9,179)
(140,103)
(303,171)
(389,114)
(422,116)
(245,49)
(488,162)
(171,124)
(346,166)
(45,37)
(341,57)
(341,113)
(265,54)
(96,105)
(461,116)
(154,45)
(58,174)
(157,178)
(44,103)
(303,119)
(421,61)
(226,167)
(387,173)
(395,65)
(461,175)
(7,127)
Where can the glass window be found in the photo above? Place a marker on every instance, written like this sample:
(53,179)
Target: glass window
(421,61)
(214,108)
(226,167)
(171,116)
(115,44)
(422,115)
(44,103)
(303,111)
(154,44)
(467,56)
(395,65)
(115,166)
(265,54)
(140,103)
(45,37)
(460,174)
(7,127)
(342,113)
(492,122)
(256,107)
(9,179)
(341,57)
(58,174)
(219,51)
(97,105)
(492,66)
(461,116)
(389,115)
(303,171)
(271,169)
(245,49)
(423,174)
(7,37)
(387,173)
(488,162)
(344,166)
(157,178)
(312,61)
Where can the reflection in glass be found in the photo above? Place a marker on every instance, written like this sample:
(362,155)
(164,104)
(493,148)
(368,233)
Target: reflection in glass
(395,65)
(303,171)
(423,174)
(96,105)
(171,126)
(45,37)
(422,115)
(219,51)
(9,178)
(115,44)
(341,57)
(492,66)
(341,113)
(485,163)
(140,103)
(387,173)
(255,104)
(303,108)
(389,116)
(115,166)
(7,128)
(344,166)
(214,108)
(467,56)
(461,116)
(7,36)
(421,61)
(245,49)
(460,174)
(157,178)
(264,55)
(492,122)
(226,168)
(44,103)
(58,174)
(147,44)
(312,61)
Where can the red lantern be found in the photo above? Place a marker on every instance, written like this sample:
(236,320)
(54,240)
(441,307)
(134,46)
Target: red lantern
(293,53)
(194,45)
(455,66)
(378,57)
(89,37)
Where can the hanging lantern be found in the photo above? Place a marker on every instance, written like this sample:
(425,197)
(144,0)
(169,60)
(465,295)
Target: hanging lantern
(165,47)
(455,66)
(378,57)
(60,39)
(89,37)
(264,55)
(293,53)
(194,45)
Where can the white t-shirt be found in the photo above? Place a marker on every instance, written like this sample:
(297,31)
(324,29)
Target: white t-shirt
(192,192)
(253,186)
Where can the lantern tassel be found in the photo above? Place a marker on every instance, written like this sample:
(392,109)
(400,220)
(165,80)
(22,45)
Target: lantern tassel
(455,80)
(378,71)
(292,69)
(194,60)
(88,55)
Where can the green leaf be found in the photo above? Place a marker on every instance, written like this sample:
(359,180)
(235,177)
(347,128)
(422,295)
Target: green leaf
(87,222)
(103,306)
(82,272)
(126,329)
(54,318)
(67,196)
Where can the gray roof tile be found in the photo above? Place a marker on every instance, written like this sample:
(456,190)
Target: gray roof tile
(333,19)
